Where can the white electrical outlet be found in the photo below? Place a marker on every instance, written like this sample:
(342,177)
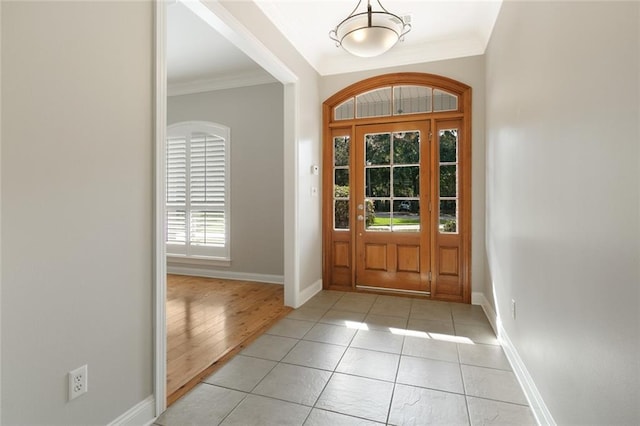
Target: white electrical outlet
(513,308)
(78,383)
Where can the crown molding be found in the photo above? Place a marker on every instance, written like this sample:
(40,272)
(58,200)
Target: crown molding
(401,55)
(253,78)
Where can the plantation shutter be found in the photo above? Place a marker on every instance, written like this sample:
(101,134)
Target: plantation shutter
(197,186)
(176,190)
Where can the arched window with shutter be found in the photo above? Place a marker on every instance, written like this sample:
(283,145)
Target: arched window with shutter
(197,194)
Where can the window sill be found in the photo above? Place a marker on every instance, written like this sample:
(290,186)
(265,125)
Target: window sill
(198,261)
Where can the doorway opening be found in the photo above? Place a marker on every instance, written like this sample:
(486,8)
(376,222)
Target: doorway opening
(219,19)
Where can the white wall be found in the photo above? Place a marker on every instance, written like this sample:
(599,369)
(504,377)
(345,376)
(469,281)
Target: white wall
(470,71)
(255,117)
(303,257)
(76,208)
(563,201)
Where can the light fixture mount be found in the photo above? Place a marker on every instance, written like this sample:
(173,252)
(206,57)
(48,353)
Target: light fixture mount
(370,33)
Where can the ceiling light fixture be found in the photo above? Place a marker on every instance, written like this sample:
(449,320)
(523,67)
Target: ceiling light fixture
(369,33)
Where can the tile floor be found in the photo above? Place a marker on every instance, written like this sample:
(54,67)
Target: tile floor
(362,359)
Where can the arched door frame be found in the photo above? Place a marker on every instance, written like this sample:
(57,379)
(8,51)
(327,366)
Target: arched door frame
(444,247)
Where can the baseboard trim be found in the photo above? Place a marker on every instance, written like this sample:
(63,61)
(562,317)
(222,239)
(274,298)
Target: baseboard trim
(141,414)
(539,408)
(478,298)
(309,292)
(227,275)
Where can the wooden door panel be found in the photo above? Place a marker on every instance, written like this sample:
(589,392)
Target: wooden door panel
(448,272)
(341,259)
(447,288)
(341,254)
(449,263)
(408,258)
(375,257)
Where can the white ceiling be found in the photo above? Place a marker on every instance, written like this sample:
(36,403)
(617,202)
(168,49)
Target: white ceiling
(440,30)
(199,58)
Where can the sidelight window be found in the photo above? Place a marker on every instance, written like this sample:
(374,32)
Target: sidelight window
(448,187)
(341,187)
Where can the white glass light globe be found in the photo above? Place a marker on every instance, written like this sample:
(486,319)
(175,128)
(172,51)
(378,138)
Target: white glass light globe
(369,41)
(369,33)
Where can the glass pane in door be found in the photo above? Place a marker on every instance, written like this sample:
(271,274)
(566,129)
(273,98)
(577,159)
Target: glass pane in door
(341,214)
(379,217)
(448,181)
(448,216)
(406,148)
(378,149)
(341,151)
(392,181)
(406,216)
(406,181)
(377,182)
(448,189)
(341,182)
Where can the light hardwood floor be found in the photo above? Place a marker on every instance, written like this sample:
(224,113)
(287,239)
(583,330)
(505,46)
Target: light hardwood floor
(209,320)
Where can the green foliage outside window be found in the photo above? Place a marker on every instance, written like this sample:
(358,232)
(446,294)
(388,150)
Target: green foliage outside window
(342,209)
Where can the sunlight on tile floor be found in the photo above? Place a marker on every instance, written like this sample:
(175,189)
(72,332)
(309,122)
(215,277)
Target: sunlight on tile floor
(363,359)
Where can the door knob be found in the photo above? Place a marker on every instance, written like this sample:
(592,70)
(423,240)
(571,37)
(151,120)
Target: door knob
(360,207)
(360,217)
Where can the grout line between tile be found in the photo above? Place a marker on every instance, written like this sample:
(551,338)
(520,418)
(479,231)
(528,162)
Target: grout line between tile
(365,377)
(224,387)
(498,400)
(349,345)
(280,399)
(435,389)
(483,366)
(234,408)
(260,381)
(343,414)
(395,379)
(464,386)
(333,372)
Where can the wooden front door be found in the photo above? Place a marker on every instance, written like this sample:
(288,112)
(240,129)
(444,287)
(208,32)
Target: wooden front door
(392,217)
(397,187)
